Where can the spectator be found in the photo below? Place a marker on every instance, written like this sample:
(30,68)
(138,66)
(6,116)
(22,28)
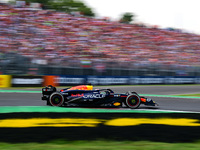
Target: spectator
(56,38)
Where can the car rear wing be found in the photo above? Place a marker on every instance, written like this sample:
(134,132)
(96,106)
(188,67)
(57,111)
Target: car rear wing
(48,90)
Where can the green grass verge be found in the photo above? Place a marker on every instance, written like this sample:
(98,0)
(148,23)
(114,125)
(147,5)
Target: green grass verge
(196,95)
(101,145)
(46,109)
(105,86)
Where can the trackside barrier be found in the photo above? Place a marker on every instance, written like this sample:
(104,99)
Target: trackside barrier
(38,81)
(5,81)
(27,81)
(50,80)
(126,80)
(33,81)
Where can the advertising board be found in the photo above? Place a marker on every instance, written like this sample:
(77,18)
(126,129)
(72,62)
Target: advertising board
(27,81)
(5,81)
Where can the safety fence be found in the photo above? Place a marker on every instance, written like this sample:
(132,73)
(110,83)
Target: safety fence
(38,81)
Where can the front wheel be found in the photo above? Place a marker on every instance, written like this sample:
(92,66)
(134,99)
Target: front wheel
(133,101)
(56,99)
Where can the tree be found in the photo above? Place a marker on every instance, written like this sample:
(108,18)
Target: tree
(44,2)
(127,17)
(66,6)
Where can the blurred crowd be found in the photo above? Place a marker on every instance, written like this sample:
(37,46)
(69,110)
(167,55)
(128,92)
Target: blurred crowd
(48,37)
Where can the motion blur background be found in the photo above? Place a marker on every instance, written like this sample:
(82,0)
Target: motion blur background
(45,37)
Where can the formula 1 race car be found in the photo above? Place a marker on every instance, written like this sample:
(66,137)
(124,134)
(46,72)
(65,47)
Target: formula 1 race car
(85,95)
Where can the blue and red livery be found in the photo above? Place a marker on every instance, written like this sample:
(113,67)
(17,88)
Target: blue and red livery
(85,95)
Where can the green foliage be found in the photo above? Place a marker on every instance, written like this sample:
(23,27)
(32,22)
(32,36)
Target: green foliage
(86,11)
(66,6)
(38,1)
(127,18)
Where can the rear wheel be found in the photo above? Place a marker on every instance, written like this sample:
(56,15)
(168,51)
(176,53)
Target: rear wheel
(56,99)
(133,101)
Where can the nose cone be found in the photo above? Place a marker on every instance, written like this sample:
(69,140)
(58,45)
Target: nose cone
(150,102)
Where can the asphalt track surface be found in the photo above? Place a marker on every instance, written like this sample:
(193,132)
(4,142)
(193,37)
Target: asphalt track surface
(165,103)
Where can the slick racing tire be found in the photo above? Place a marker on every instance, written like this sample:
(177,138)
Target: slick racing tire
(56,99)
(133,101)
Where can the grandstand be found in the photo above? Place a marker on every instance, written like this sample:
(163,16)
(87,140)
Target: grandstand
(46,39)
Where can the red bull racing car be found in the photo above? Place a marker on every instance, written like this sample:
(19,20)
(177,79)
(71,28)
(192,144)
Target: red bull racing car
(86,96)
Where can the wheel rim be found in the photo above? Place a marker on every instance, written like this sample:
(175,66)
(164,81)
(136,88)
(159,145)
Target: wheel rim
(56,100)
(133,101)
